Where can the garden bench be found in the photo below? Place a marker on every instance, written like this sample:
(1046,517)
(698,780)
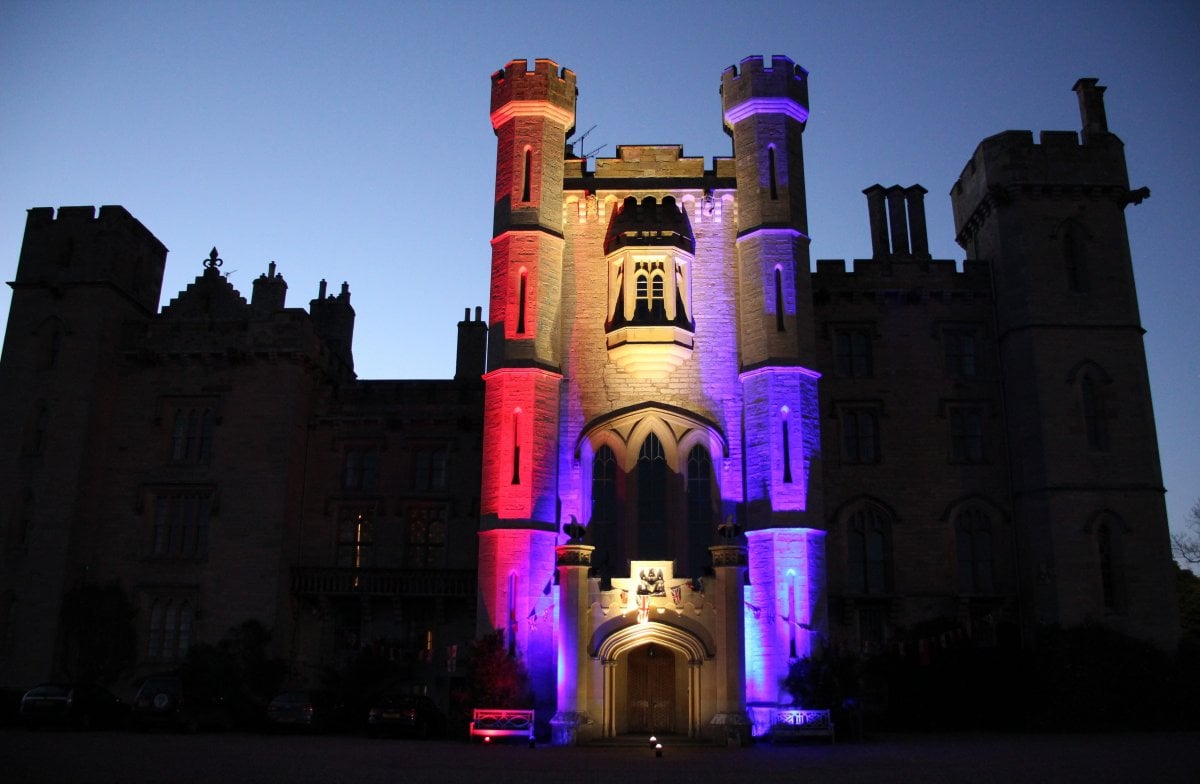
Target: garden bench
(488,723)
(796,724)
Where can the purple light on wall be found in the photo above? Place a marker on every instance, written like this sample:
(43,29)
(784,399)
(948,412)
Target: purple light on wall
(782,606)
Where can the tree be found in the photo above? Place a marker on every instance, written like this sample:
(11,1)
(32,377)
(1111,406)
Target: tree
(497,679)
(99,643)
(1187,544)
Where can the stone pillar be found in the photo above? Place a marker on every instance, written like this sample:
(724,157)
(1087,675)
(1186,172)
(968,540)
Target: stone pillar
(730,724)
(571,717)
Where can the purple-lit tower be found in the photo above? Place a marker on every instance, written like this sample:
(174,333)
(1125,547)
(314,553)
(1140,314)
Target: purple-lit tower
(649,377)
(765,111)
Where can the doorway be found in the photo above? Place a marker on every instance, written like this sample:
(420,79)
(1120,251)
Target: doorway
(651,689)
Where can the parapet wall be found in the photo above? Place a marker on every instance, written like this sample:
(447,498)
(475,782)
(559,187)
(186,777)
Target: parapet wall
(546,82)
(1012,161)
(876,276)
(755,78)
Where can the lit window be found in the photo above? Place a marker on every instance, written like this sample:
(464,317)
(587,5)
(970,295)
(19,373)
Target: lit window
(354,538)
(426,536)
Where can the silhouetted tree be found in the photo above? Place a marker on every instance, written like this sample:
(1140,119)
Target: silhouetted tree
(236,671)
(1187,544)
(99,642)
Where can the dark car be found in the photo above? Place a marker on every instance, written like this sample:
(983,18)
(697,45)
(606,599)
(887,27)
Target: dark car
(80,706)
(404,714)
(311,711)
(163,701)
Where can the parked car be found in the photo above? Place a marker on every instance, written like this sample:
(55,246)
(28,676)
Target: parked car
(163,701)
(404,714)
(312,711)
(80,706)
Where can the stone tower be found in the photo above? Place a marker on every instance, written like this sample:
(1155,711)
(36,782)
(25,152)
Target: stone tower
(1086,481)
(765,109)
(532,113)
(81,277)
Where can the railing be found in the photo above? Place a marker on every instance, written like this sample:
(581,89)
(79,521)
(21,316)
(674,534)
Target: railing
(347,581)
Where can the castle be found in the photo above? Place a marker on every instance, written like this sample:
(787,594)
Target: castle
(672,462)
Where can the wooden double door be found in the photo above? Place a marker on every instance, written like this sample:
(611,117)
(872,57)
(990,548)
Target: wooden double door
(651,693)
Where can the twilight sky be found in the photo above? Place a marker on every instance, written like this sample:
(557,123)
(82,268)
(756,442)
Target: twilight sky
(350,140)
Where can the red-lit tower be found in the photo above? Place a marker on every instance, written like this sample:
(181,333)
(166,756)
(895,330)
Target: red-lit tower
(532,114)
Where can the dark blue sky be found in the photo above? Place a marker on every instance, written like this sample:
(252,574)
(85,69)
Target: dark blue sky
(350,140)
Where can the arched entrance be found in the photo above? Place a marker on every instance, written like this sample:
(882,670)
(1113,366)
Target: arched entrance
(652,680)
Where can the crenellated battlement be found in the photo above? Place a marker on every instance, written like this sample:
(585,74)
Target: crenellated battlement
(781,86)
(547,87)
(899,275)
(111,216)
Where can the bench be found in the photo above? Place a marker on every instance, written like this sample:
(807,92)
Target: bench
(488,723)
(793,724)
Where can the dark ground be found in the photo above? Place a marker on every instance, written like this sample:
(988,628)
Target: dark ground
(135,758)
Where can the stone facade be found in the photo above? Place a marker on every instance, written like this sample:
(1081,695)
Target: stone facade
(755,462)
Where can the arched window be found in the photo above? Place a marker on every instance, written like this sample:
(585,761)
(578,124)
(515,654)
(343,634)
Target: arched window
(786,442)
(658,299)
(778,299)
(55,347)
(526,176)
(1106,550)
(771,173)
(192,435)
(1094,422)
(652,499)
(973,534)
(516,450)
(1074,248)
(868,540)
(170,629)
(642,290)
(603,524)
(522,286)
(701,518)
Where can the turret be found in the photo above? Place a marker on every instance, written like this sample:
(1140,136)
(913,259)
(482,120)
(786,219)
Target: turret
(1049,218)
(765,110)
(532,113)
